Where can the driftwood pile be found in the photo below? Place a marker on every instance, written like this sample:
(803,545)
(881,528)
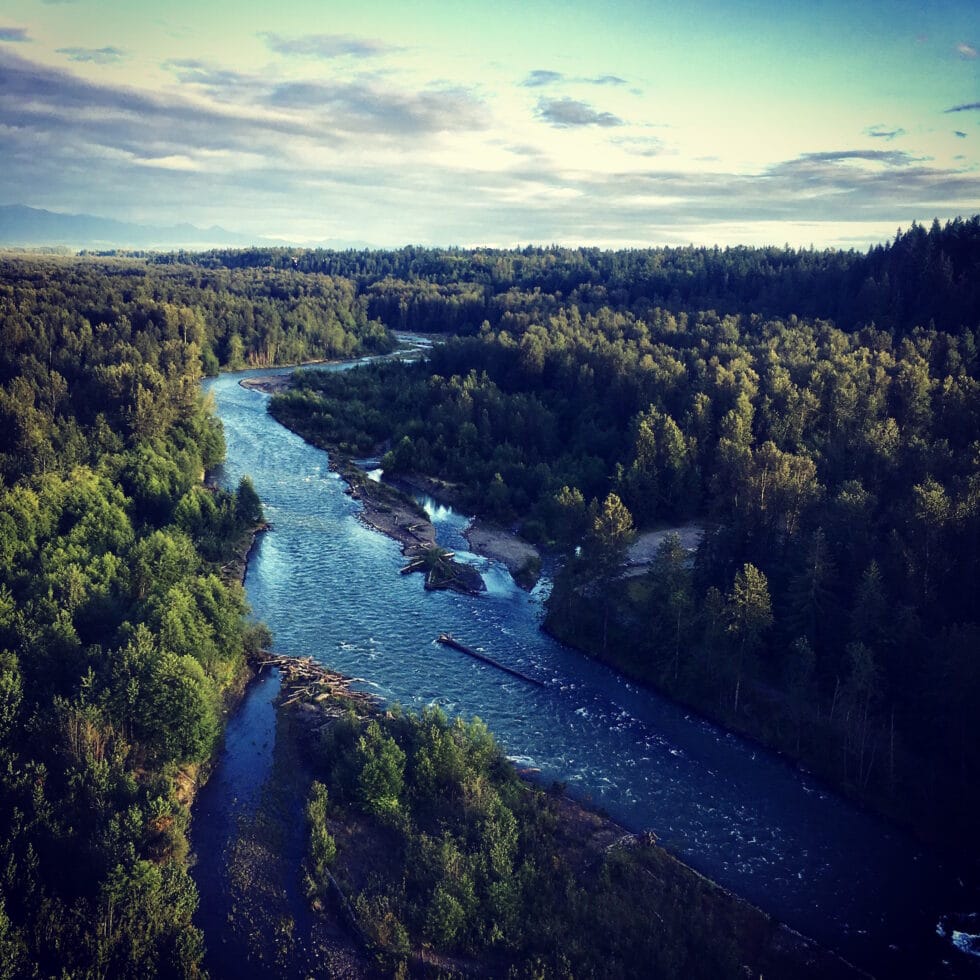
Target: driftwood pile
(442,571)
(310,685)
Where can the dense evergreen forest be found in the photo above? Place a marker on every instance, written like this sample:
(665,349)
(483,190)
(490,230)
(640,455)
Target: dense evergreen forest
(831,610)
(922,277)
(817,412)
(122,629)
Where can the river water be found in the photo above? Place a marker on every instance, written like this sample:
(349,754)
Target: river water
(329,588)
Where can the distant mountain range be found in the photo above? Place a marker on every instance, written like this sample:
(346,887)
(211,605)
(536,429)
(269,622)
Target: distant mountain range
(33,227)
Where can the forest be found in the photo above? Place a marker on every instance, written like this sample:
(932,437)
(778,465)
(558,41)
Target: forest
(831,609)
(122,624)
(815,412)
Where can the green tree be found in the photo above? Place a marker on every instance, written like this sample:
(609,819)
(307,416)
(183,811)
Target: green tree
(248,506)
(604,553)
(672,597)
(749,618)
(382,772)
(323,847)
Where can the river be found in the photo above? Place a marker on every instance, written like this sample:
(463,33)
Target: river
(329,588)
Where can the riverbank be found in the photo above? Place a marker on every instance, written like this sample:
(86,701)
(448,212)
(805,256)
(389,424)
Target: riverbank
(272,384)
(313,700)
(765,718)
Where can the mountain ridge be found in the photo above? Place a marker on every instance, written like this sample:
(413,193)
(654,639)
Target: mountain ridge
(24,226)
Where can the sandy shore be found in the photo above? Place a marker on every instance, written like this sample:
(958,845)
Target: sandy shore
(520,557)
(271,384)
(485,538)
(644,549)
(386,509)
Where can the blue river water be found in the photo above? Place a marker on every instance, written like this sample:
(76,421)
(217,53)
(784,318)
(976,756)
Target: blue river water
(329,588)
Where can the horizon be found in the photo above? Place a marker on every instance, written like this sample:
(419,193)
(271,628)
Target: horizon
(633,126)
(95,249)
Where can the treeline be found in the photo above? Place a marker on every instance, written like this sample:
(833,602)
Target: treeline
(833,609)
(236,318)
(922,277)
(439,846)
(119,635)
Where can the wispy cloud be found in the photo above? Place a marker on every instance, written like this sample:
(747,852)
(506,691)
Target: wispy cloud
(642,146)
(965,50)
(570,113)
(882,132)
(326,45)
(223,84)
(361,107)
(99,56)
(351,107)
(892,158)
(541,77)
(965,107)
(50,104)
(16,35)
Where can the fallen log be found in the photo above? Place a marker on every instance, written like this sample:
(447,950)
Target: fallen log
(447,639)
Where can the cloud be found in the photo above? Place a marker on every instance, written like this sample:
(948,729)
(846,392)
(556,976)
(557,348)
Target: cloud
(326,45)
(351,107)
(965,107)
(358,159)
(221,83)
(880,132)
(893,158)
(642,146)
(82,127)
(568,113)
(965,50)
(16,35)
(539,77)
(98,56)
(52,104)
(361,107)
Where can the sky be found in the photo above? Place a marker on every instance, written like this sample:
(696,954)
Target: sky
(628,123)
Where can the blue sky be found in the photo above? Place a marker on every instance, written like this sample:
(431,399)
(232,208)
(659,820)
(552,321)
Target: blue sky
(623,124)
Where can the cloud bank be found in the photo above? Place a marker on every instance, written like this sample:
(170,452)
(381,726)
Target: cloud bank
(318,154)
